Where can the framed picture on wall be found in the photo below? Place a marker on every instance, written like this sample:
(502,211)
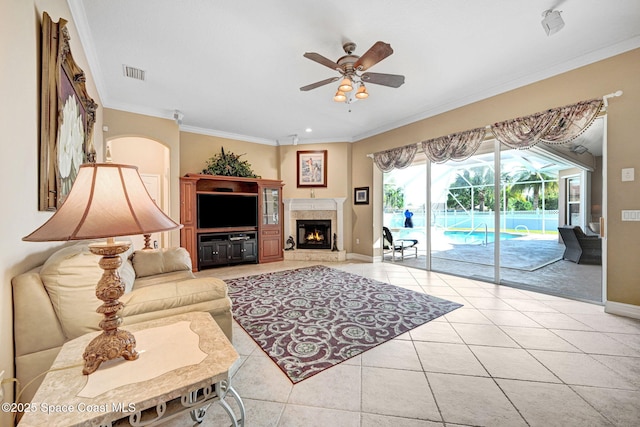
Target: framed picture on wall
(312,168)
(67,117)
(361,195)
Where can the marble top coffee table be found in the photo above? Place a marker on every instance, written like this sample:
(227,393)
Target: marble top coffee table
(183,367)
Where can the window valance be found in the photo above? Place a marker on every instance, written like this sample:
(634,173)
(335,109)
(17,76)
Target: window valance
(554,126)
(396,158)
(457,146)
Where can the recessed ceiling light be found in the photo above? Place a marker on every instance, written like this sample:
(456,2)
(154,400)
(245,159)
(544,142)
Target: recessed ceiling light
(308,130)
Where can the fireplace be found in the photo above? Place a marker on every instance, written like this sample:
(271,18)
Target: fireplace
(313,233)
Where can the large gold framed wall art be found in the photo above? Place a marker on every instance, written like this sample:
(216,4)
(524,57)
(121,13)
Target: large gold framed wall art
(68,115)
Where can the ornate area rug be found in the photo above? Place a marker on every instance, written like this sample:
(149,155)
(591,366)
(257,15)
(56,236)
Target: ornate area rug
(312,318)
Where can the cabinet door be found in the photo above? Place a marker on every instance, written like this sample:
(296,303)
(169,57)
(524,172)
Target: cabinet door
(236,250)
(270,206)
(270,238)
(249,250)
(223,250)
(270,245)
(213,253)
(207,254)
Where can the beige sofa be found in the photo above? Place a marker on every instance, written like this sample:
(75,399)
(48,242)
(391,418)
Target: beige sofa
(56,301)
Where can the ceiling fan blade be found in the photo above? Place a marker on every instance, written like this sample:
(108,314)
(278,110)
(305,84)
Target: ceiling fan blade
(375,54)
(391,80)
(318,84)
(321,60)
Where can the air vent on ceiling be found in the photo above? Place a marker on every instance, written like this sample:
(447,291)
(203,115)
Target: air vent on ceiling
(132,72)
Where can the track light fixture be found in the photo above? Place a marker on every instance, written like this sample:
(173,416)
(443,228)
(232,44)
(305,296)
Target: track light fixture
(178,116)
(552,21)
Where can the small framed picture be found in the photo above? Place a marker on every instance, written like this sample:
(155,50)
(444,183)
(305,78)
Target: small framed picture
(312,168)
(361,195)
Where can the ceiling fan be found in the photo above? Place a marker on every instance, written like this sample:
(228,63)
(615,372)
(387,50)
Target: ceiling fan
(351,69)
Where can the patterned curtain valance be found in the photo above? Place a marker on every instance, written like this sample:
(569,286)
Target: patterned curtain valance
(555,126)
(572,121)
(395,158)
(457,146)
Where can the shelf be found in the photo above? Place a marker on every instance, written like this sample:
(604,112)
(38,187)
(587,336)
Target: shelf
(228,193)
(226,230)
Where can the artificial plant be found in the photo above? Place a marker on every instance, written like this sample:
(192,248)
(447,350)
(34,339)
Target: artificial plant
(228,164)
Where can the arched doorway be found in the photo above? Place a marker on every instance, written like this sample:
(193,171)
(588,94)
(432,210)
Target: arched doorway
(152,159)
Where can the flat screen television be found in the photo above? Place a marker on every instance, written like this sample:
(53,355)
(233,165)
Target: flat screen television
(227,210)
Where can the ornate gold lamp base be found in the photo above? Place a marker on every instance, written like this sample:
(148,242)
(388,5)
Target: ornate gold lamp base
(112,343)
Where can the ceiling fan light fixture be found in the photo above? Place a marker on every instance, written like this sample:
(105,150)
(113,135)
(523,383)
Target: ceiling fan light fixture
(346,85)
(362,92)
(340,96)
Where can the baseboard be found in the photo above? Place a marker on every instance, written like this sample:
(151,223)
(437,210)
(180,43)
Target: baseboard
(359,257)
(621,309)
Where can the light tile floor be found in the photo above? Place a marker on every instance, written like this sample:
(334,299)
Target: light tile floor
(507,358)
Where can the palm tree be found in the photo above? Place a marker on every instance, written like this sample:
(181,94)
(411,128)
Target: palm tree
(526,181)
(478,179)
(393,197)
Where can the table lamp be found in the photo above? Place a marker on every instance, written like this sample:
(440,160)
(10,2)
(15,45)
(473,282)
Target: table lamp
(107,200)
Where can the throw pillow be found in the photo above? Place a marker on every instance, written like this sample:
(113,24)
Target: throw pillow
(70,276)
(152,262)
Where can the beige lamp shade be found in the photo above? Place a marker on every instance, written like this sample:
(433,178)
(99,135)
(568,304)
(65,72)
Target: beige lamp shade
(106,200)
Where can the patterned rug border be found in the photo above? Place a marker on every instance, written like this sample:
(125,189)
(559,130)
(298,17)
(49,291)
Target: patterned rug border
(295,367)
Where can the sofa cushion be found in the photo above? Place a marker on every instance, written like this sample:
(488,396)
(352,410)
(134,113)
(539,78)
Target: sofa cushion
(152,262)
(70,276)
(172,295)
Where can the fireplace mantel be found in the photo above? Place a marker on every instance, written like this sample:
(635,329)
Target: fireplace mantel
(335,204)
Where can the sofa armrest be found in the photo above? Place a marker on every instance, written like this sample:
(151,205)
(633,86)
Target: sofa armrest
(36,326)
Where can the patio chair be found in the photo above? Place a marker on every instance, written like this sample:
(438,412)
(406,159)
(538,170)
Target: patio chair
(579,247)
(400,245)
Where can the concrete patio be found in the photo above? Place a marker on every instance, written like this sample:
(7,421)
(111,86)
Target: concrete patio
(531,262)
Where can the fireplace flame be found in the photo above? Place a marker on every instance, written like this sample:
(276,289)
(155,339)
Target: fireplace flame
(315,236)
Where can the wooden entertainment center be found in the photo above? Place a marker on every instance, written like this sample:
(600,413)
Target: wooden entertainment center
(229,220)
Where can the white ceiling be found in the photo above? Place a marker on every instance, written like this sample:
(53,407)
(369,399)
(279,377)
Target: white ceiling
(234,67)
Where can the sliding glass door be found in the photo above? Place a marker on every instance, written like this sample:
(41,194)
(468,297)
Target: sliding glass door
(494,211)
(462,226)
(493,217)
(529,218)
(405,213)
